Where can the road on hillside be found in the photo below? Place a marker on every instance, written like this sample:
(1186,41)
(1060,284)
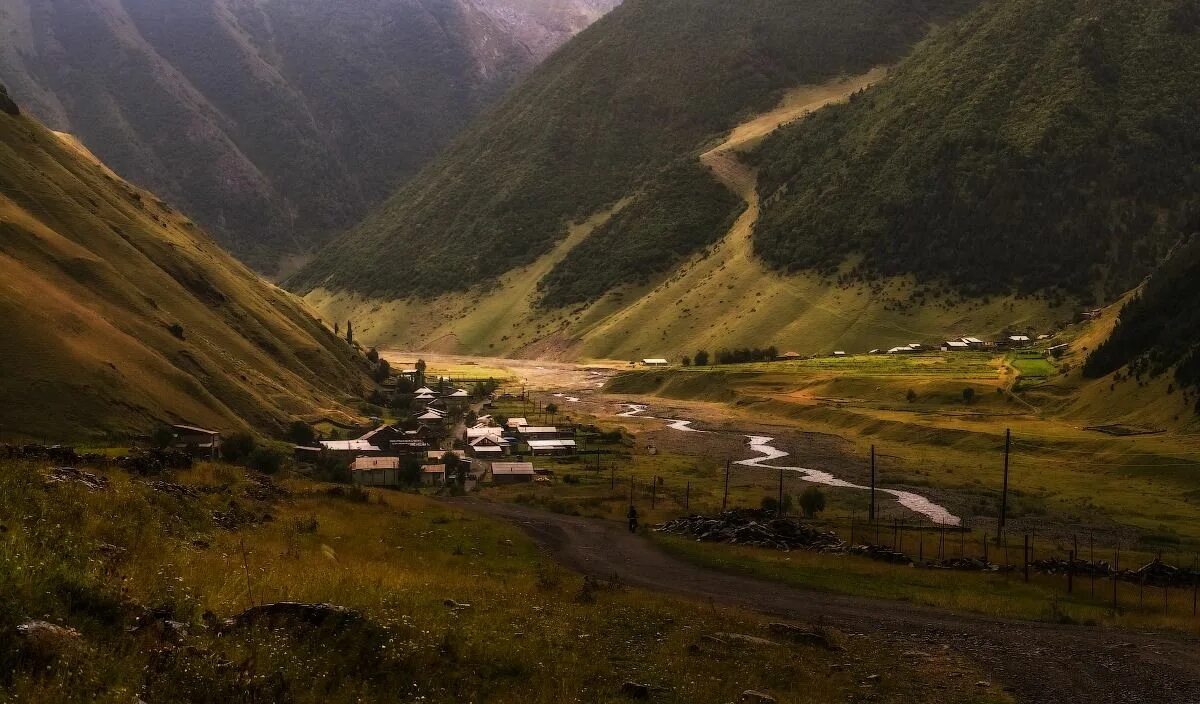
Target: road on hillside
(1036,662)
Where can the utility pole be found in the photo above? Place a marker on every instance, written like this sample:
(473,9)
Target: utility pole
(779,506)
(1004,491)
(725,499)
(872,483)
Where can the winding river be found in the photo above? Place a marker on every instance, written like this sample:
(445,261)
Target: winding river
(767,453)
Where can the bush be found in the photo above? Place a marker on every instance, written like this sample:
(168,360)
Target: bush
(812,502)
(702,358)
(176,330)
(237,447)
(266,460)
(301,433)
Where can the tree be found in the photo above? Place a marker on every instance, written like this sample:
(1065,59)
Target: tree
(301,433)
(812,502)
(687,361)
(420,372)
(350,332)
(162,437)
(238,447)
(968,395)
(911,395)
(383,369)
(337,328)
(410,471)
(702,358)
(372,355)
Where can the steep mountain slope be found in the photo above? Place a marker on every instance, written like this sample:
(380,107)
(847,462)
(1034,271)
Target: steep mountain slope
(1158,330)
(119,313)
(275,123)
(1047,146)
(644,87)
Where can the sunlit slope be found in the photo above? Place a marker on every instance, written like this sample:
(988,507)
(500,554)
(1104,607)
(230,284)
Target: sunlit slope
(120,314)
(724,297)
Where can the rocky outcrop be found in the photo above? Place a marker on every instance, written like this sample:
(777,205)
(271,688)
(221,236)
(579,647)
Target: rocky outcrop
(7,105)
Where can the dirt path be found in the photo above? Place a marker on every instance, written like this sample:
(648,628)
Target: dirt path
(1037,662)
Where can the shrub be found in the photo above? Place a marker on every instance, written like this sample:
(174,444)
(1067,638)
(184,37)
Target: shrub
(237,447)
(176,330)
(301,433)
(812,502)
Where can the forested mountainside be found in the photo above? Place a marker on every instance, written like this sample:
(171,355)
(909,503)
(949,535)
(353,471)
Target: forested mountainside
(1159,328)
(646,86)
(274,123)
(120,314)
(1036,146)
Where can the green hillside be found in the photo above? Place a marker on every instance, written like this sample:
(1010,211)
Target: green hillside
(274,124)
(649,84)
(1034,146)
(120,314)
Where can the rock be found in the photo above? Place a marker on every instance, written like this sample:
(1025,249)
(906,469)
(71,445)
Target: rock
(295,612)
(63,475)
(816,636)
(45,640)
(745,639)
(983,684)
(452,604)
(872,678)
(751,695)
(634,690)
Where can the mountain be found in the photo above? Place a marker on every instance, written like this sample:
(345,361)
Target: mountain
(1044,147)
(649,84)
(120,313)
(274,123)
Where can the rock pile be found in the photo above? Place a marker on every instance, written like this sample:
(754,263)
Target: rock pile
(754,527)
(881,553)
(73,475)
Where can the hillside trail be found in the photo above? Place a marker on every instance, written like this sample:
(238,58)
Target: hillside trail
(1036,662)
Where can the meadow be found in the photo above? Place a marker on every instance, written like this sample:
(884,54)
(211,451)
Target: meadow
(154,575)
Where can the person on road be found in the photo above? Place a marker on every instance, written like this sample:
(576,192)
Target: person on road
(633,518)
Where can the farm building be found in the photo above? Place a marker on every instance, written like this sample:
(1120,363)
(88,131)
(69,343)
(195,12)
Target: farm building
(206,441)
(485,432)
(512,472)
(955,346)
(537,431)
(517,422)
(974,343)
(551,447)
(655,362)
(376,471)
(789,356)
(350,447)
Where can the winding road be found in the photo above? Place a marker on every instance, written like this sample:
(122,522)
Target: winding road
(1037,662)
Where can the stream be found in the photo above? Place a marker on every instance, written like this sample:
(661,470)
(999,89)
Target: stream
(762,445)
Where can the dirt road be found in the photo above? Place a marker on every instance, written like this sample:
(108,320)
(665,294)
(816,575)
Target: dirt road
(1037,662)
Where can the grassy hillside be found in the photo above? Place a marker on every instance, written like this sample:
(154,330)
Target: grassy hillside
(274,124)
(120,313)
(723,296)
(1036,145)
(649,84)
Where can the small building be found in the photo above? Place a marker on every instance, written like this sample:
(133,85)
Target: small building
(489,446)
(538,431)
(839,353)
(1017,340)
(512,472)
(432,416)
(789,356)
(655,362)
(384,434)
(410,446)
(955,346)
(204,441)
(375,471)
(485,432)
(974,343)
(556,446)
(1058,350)
(517,422)
(350,447)
(433,475)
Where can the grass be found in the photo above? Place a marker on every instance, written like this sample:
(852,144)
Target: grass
(94,560)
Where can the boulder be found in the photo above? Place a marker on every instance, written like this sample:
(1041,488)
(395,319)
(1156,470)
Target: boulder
(45,640)
(756,697)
